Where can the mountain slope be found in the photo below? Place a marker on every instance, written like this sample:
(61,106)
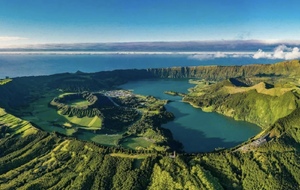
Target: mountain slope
(38,160)
(264,94)
(217,73)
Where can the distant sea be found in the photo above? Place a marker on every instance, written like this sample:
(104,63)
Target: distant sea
(16,65)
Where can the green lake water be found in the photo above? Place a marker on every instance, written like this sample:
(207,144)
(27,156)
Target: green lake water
(198,131)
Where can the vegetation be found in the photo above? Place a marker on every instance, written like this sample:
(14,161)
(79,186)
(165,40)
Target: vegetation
(4,81)
(218,73)
(39,160)
(139,155)
(263,103)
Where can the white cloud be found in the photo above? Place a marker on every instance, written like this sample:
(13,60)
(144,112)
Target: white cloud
(214,55)
(280,52)
(11,38)
(261,54)
(202,56)
(295,54)
(240,55)
(220,55)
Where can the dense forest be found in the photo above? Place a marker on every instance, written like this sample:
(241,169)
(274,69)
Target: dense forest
(31,158)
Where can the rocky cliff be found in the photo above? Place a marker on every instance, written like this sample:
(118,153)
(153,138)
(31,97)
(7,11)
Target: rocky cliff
(287,68)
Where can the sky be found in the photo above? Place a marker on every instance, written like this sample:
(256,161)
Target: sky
(94,21)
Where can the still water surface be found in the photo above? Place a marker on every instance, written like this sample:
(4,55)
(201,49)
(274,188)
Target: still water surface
(28,65)
(198,131)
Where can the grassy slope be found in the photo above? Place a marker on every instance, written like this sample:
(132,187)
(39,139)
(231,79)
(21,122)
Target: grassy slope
(33,159)
(256,104)
(44,116)
(38,160)
(4,81)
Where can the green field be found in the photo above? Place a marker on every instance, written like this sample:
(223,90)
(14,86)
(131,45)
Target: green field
(79,103)
(50,119)
(4,81)
(104,139)
(47,117)
(16,125)
(136,142)
(135,156)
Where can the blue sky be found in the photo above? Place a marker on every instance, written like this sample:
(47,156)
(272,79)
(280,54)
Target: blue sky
(79,21)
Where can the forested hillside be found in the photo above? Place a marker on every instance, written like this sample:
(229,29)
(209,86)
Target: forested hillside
(33,159)
(268,95)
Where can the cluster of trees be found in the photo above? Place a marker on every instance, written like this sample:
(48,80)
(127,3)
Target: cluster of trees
(118,118)
(133,102)
(4,131)
(43,161)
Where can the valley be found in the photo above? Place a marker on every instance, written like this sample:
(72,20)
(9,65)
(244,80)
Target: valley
(60,131)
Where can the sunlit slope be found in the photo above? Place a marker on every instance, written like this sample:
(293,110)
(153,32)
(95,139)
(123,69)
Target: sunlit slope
(39,160)
(33,159)
(11,126)
(261,103)
(4,81)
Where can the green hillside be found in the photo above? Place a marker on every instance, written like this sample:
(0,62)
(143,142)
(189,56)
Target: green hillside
(140,155)
(33,159)
(262,103)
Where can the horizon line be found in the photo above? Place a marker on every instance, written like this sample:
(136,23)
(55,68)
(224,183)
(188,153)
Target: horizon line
(266,41)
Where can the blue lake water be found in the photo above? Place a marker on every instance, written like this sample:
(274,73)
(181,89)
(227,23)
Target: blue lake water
(198,131)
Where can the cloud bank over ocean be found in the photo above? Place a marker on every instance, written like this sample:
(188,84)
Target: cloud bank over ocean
(216,55)
(280,52)
(198,50)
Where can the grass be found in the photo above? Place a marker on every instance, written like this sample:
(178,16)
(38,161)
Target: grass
(89,122)
(4,81)
(136,142)
(79,103)
(64,94)
(45,117)
(49,119)
(2,112)
(108,140)
(261,88)
(17,125)
(135,156)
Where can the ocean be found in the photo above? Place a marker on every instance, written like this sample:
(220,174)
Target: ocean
(16,65)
